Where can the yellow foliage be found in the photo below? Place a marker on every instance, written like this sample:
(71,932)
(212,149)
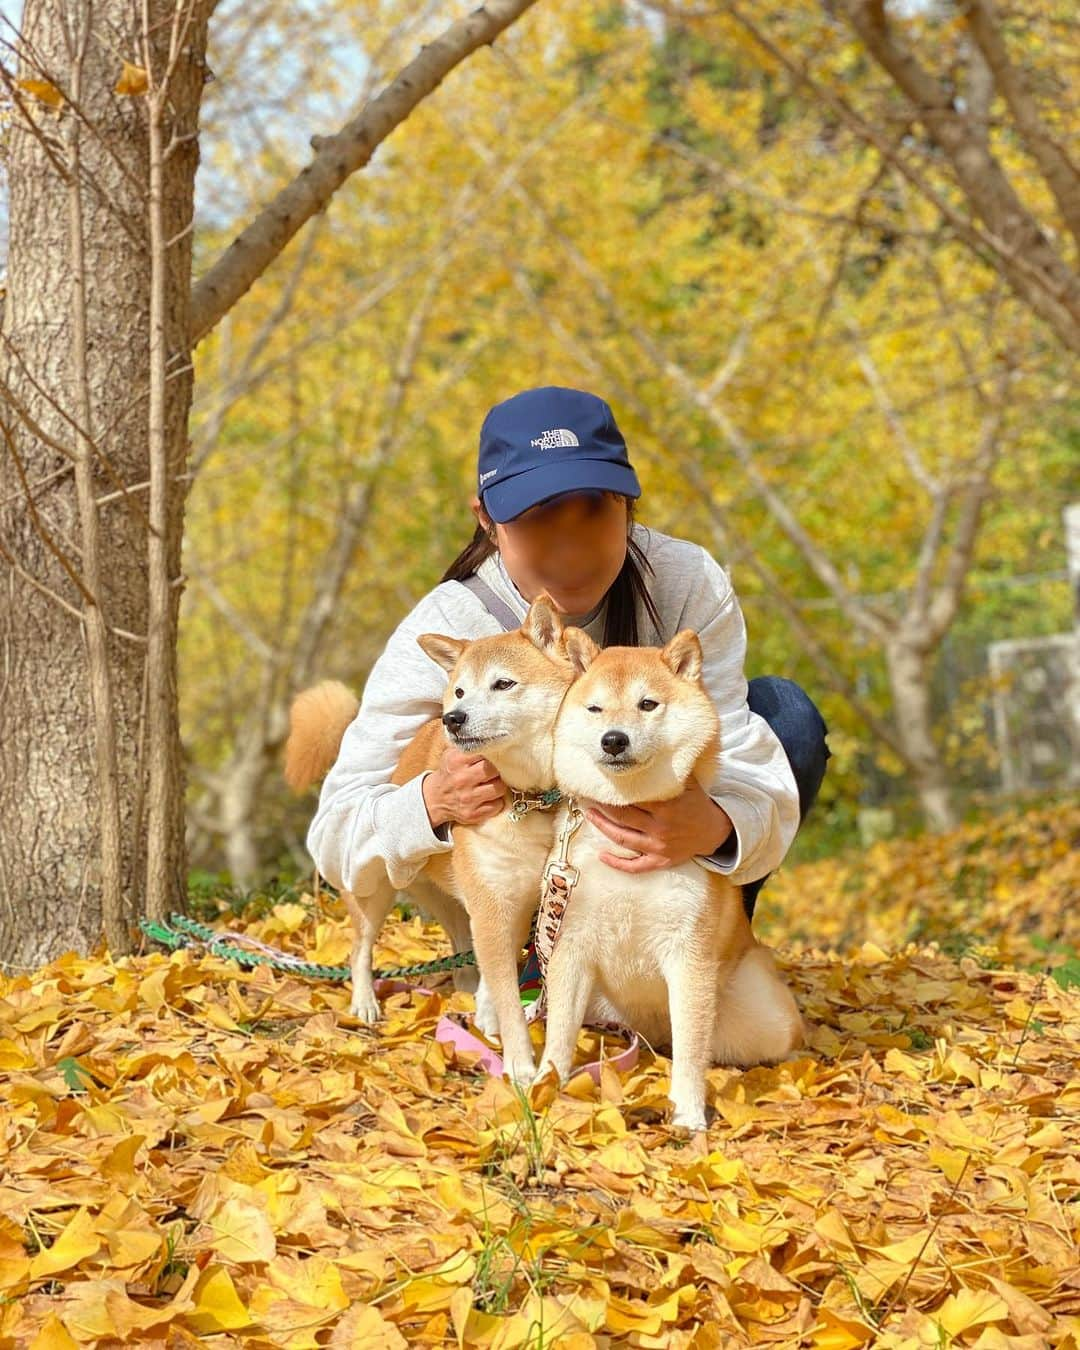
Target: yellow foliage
(298,1180)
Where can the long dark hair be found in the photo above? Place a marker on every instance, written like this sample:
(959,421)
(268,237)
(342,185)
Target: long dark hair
(630,586)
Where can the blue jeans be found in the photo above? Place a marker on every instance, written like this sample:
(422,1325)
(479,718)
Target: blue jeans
(801,730)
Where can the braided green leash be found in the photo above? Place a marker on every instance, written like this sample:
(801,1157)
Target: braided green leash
(181,931)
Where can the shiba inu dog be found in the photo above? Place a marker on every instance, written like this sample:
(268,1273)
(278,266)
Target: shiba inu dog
(501,701)
(667,952)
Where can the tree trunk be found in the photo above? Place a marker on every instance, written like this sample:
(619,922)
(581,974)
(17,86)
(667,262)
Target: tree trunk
(50,798)
(243,779)
(909,677)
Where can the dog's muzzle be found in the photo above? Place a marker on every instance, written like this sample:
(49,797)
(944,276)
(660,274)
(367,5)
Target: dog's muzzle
(615,745)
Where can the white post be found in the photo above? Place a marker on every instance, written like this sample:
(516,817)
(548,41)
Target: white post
(1072,562)
(1072,557)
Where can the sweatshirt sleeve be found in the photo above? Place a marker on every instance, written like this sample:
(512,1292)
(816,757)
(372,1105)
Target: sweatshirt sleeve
(754,782)
(366,828)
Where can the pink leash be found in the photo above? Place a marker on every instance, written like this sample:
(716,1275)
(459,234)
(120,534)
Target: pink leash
(451,1030)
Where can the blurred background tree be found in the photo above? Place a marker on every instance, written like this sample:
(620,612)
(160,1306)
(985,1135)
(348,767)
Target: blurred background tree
(820,378)
(841,363)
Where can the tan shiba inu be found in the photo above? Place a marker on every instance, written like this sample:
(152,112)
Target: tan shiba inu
(668,952)
(501,701)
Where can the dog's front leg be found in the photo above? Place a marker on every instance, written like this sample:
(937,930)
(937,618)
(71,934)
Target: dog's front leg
(692,983)
(499,932)
(486,1017)
(368,913)
(568,989)
(466,978)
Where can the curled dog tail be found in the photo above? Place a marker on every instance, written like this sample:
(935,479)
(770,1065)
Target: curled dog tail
(317,721)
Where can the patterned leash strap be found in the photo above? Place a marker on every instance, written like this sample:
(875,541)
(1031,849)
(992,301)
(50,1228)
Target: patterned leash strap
(560,878)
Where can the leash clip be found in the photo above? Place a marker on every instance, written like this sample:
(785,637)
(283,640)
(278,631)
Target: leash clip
(560,869)
(563,872)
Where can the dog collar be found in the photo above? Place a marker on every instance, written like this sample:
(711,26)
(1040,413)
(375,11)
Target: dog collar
(541,800)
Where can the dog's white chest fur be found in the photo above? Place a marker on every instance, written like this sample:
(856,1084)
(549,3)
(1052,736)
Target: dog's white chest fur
(630,928)
(508,855)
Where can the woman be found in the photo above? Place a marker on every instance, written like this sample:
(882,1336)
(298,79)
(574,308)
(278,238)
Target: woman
(554,511)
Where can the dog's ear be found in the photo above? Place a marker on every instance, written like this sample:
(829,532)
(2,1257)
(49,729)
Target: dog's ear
(444,651)
(543,625)
(682,655)
(581,651)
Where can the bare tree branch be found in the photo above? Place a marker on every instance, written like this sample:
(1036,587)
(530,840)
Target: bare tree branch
(1039,278)
(260,649)
(39,525)
(946,600)
(980,175)
(434,257)
(336,158)
(239,384)
(1061,174)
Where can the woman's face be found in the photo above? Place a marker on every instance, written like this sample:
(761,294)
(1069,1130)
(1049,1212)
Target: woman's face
(572,547)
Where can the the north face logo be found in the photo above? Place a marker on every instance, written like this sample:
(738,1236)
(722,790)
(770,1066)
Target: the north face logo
(555,437)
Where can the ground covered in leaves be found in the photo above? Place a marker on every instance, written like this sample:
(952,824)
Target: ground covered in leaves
(196,1155)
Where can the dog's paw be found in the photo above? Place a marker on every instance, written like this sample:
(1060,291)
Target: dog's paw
(522,1072)
(364,1007)
(548,1070)
(485,1017)
(692,1119)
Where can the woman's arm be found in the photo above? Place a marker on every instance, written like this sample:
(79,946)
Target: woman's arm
(365,827)
(754,784)
(753,803)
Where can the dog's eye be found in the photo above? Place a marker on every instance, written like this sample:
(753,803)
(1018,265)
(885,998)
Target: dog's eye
(593,708)
(648,704)
(504,684)
(459,693)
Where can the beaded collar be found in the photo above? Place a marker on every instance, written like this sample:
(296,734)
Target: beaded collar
(541,800)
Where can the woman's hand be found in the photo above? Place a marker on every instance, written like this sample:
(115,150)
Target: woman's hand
(664,834)
(465,789)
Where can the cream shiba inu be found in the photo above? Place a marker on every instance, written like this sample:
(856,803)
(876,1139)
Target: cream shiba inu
(667,952)
(501,701)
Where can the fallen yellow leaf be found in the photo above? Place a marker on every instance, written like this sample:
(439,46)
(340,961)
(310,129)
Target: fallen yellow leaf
(133,80)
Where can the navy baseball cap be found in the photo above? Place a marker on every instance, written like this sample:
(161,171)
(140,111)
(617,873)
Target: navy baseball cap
(545,442)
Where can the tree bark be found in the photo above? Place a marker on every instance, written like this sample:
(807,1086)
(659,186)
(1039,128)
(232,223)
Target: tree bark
(50,802)
(95,390)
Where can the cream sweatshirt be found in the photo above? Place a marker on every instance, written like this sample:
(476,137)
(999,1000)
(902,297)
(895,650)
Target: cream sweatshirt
(365,827)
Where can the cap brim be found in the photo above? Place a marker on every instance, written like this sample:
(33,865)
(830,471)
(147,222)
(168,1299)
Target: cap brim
(504,501)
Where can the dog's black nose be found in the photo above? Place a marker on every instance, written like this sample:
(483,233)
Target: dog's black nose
(614,742)
(454,720)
